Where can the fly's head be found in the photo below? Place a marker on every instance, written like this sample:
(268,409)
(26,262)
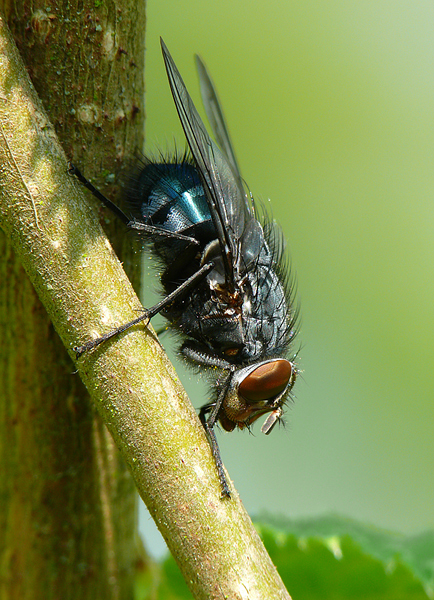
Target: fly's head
(255,391)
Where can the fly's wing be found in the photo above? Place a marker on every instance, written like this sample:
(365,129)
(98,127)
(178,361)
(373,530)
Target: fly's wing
(227,200)
(251,242)
(215,116)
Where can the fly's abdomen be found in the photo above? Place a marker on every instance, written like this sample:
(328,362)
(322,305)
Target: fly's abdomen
(170,196)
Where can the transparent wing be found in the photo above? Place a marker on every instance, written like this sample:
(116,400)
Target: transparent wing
(215,116)
(251,242)
(230,210)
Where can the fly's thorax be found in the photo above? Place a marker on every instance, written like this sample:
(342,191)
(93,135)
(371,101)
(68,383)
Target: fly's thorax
(212,253)
(256,390)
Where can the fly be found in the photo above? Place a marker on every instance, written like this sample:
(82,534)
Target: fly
(226,286)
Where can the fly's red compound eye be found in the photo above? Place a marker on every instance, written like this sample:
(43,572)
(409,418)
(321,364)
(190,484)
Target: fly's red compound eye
(266,381)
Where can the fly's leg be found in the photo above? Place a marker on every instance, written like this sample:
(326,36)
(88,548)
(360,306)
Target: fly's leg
(79,350)
(200,355)
(208,425)
(190,283)
(72,170)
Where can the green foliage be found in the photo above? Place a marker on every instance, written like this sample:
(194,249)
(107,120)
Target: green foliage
(338,567)
(404,560)
(331,558)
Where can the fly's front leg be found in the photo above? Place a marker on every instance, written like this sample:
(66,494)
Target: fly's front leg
(208,425)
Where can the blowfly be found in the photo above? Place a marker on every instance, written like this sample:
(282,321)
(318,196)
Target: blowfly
(226,285)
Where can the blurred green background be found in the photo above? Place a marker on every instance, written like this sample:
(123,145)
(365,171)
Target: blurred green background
(330,105)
